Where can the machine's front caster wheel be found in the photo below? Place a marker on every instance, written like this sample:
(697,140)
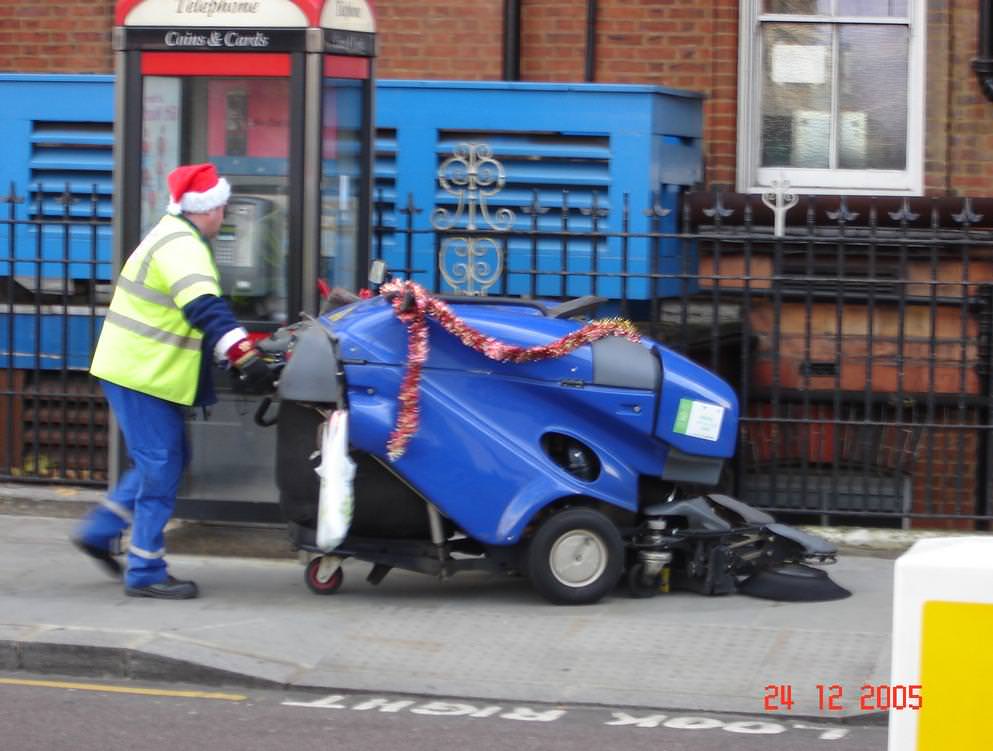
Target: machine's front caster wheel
(330,584)
(638,586)
(575,557)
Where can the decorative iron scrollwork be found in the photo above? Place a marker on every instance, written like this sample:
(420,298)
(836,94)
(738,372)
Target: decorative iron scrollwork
(843,215)
(967,215)
(11,196)
(718,211)
(780,199)
(904,214)
(471,264)
(472,175)
(657,210)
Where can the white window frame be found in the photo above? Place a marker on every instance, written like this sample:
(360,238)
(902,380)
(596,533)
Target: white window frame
(751,178)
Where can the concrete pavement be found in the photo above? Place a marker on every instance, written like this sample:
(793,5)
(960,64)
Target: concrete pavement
(473,636)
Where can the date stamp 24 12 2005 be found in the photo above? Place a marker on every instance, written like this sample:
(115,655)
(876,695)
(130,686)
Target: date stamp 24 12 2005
(873,697)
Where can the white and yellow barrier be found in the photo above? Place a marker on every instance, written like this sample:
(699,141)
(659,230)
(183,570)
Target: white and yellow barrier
(943,644)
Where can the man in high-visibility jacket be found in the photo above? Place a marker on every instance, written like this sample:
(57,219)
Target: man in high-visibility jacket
(165,323)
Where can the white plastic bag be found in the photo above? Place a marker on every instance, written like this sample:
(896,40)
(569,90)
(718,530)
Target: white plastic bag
(336,470)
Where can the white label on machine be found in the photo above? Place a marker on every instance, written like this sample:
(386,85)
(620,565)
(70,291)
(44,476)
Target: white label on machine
(699,419)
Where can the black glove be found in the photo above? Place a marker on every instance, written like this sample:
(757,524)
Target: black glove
(253,376)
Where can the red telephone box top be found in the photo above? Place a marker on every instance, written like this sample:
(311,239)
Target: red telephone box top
(246,26)
(224,13)
(347,15)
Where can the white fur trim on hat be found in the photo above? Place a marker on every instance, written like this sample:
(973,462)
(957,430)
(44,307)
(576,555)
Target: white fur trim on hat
(200,203)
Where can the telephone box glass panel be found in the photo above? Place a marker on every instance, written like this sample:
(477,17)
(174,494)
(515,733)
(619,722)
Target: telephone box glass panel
(341,179)
(242,126)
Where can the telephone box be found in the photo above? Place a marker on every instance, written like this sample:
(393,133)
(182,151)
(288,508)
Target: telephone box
(278,95)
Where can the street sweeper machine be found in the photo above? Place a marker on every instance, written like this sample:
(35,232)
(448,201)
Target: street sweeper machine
(511,436)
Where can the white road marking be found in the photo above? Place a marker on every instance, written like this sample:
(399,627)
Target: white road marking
(455,708)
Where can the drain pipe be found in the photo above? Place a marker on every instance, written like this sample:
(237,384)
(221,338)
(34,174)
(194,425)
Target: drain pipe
(591,8)
(512,40)
(983,63)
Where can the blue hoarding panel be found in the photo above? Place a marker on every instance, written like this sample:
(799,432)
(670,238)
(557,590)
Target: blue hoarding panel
(58,157)
(608,146)
(601,143)
(48,340)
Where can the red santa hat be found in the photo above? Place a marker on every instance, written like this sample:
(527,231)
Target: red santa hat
(196,189)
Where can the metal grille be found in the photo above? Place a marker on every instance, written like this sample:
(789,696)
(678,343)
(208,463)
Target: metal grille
(384,189)
(857,336)
(54,282)
(71,157)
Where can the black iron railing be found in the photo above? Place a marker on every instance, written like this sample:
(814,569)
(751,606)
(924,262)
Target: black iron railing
(858,336)
(54,273)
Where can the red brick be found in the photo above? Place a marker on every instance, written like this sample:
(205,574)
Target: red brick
(679,43)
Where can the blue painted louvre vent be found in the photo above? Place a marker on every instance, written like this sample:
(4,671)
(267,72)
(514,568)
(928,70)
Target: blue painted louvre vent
(538,189)
(384,190)
(62,249)
(574,176)
(57,133)
(70,187)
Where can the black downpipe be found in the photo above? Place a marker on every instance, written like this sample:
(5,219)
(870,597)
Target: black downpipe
(984,449)
(591,9)
(131,167)
(512,40)
(983,63)
(294,286)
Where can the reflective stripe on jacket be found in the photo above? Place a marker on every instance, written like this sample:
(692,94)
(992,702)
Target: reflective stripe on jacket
(146,343)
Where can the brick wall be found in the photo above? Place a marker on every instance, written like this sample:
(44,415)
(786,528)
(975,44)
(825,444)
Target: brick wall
(440,39)
(56,36)
(553,40)
(944,477)
(681,43)
(689,45)
(960,118)
(685,45)
(937,111)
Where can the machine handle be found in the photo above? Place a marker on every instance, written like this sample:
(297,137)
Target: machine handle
(260,414)
(407,302)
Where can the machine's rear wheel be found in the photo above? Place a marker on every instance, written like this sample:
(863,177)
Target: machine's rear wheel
(575,557)
(313,577)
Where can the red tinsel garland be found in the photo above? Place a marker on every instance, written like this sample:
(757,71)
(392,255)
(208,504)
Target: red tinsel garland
(413,304)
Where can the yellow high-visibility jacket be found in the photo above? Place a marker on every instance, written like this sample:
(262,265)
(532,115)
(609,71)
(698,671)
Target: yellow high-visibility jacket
(146,344)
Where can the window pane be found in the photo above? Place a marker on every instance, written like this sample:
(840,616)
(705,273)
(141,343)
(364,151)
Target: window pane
(873,97)
(798,7)
(161,125)
(796,99)
(340,180)
(879,8)
(242,126)
(247,136)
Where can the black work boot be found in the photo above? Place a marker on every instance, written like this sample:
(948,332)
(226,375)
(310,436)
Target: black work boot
(170,589)
(102,556)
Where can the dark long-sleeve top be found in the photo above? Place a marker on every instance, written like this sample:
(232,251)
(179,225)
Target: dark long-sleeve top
(213,316)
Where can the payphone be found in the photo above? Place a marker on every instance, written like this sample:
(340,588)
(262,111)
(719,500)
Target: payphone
(247,251)
(277,94)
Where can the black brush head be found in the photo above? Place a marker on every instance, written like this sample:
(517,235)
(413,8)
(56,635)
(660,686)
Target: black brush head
(793,582)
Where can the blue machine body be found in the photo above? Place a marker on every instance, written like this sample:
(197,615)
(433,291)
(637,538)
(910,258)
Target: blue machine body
(478,453)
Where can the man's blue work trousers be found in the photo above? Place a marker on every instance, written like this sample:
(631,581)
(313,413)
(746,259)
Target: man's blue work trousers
(145,496)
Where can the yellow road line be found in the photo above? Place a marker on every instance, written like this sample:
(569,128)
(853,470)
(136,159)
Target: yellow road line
(123,689)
